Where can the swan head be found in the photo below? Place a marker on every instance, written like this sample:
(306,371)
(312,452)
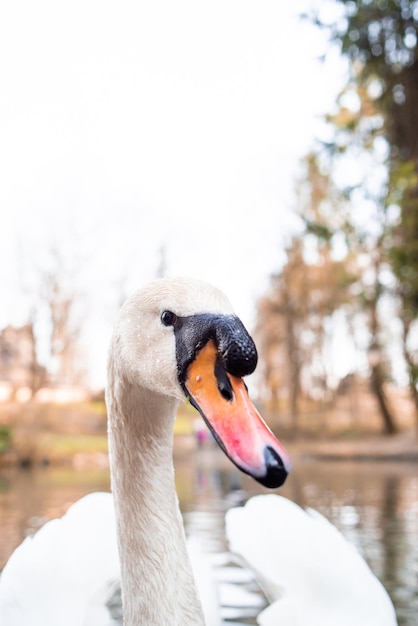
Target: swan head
(180,338)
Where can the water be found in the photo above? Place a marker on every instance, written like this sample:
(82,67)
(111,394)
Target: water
(375,505)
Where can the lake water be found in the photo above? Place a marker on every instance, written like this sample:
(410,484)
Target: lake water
(374,504)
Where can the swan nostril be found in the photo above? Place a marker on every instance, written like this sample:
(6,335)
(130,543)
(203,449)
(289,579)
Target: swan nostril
(276,473)
(222,380)
(226,392)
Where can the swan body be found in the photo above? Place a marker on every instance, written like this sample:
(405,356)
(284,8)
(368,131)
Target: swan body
(73,560)
(308,570)
(174,339)
(83,541)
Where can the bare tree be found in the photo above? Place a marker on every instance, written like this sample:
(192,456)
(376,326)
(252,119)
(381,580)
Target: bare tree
(60,301)
(19,364)
(54,317)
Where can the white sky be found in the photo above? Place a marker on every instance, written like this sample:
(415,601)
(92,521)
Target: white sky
(129,125)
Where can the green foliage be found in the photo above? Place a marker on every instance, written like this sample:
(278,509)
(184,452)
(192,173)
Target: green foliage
(380,31)
(5,438)
(321,231)
(380,39)
(404,251)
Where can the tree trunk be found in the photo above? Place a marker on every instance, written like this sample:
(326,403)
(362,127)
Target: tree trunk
(294,370)
(37,373)
(411,367)
(376,358)
(377,381)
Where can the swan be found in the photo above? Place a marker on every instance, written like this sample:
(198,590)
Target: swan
(176,338)
(308,570)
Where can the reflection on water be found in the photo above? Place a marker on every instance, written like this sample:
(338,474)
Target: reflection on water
(375,505)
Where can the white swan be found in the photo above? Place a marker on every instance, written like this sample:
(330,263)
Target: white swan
(308,570)
(174,338)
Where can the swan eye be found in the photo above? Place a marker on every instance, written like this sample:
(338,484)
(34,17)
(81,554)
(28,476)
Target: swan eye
(168,318)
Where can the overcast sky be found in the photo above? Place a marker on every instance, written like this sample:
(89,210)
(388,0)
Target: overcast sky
(127,126)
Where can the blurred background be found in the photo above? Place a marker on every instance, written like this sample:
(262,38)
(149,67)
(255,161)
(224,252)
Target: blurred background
(270,148)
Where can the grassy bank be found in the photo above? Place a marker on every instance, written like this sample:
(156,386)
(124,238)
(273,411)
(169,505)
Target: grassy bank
(36,434)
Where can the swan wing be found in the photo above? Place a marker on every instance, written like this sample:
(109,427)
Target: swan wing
(306,566)
(62,574)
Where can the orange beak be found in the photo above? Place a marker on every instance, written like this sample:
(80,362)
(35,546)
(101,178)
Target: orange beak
(223,402)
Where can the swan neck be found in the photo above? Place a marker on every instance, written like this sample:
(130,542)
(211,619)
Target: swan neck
(157,581)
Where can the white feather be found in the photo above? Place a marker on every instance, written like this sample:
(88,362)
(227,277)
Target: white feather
(310,573)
